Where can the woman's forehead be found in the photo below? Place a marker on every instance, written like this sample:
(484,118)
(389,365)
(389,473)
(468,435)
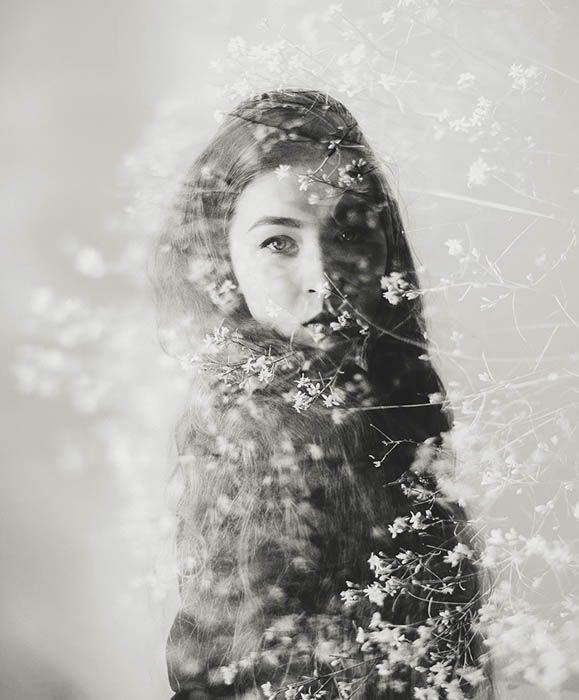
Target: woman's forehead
(299,188)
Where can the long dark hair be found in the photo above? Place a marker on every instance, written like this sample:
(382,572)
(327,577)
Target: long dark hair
(233,529)
(257,136)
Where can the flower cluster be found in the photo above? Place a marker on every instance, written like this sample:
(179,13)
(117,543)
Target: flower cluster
(480,114)
(310,390)
(220,337)
(262,367)
(511,250)
(437,647)
(524,77)
(396,288)
(210,276)
(352,174)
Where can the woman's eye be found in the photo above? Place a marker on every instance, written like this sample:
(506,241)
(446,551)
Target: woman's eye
(350,235)
(281,244)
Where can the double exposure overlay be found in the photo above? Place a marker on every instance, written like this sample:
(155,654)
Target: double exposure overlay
(306,402)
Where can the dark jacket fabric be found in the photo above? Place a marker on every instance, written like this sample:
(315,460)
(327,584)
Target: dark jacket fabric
(279,514)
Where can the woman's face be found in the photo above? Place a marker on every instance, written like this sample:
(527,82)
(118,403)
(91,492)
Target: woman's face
(304,257)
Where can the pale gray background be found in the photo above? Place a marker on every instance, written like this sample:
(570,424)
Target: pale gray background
(79,83)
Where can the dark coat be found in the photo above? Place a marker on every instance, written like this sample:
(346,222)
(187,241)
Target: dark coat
(279,512)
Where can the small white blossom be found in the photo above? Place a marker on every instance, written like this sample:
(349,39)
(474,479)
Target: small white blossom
(454,246)
(417,521)
(465,81)
(218,338)
(228,673)
(351,174)
(375,594)
(399,525)
(332,398)
(396,288)
(323,289)
(427,693)
(272,309)
(478,172)
(316,452)
(302,401)
(350,597)
(523,78)
(305,180)
(405,556)
(472,675)
(460,552)
(267,689)
(282,171)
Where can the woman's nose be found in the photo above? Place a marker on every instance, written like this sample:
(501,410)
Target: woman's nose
(313,274)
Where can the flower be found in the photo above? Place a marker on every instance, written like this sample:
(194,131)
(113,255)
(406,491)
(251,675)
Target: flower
(265,374)
(399,525)
(267,689)
(217,339)
(460,552)
(331,399)
(323,289)
(313,388)
(351,174)
(228,673)
(523,77)
(396,288)
(465,81)
(477,172)
(342,321)
(375,594)
(350,597)
(316,452)
(272,309)
(282,171)
(305,180)
(472,675)
(302,401)
(454,246)
(405,556)
(426,694)
(416,521)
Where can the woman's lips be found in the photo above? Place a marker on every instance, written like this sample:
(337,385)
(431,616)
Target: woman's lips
(324,318)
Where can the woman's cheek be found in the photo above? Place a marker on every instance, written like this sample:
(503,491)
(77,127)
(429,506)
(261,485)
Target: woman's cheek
(283,291)
(366,297)
(275,274)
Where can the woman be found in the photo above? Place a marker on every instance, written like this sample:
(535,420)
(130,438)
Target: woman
(317,557)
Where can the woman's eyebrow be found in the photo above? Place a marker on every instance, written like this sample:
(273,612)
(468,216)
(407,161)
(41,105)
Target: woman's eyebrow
(277,221)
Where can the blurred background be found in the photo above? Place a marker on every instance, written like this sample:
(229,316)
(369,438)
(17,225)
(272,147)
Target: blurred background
(473,108)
